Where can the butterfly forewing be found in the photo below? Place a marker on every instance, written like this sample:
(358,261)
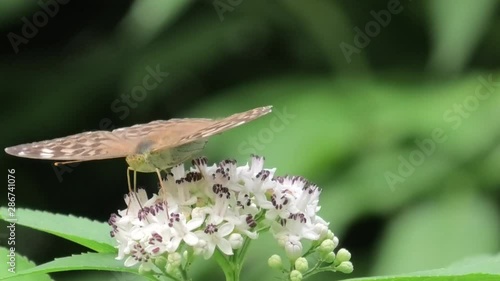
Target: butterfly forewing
(205,128)
(93,145)
(123,142)
(160,127)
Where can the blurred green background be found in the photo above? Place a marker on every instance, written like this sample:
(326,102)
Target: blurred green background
(391,107)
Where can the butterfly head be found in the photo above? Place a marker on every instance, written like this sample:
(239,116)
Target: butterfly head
(139,162)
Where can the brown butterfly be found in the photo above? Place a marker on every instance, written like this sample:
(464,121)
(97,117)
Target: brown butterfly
(148,148)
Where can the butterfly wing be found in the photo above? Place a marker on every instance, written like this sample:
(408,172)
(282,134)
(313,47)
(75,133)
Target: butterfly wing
(161,134)
(180,133)
(86,146)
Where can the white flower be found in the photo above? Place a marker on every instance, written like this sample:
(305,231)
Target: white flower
(182,231)
(219,207)
(214,236)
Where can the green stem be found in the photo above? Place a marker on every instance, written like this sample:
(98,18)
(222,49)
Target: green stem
(230,267)
(318,270)
(242,252)
(184,275)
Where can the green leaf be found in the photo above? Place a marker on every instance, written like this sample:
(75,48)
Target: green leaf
(483,268)
(454,221)
(85,261)
(91,234)
(19,263)
(312,17)
(457,29)
(148,18)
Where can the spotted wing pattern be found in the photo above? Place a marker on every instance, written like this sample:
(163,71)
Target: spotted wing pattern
(217,126)
(204,128)
(96,145)
(86,146)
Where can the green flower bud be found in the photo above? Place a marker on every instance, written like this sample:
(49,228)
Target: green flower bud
(345,267)
(326,247)
(295,275)
(329,258)
(282,240)
(343,255)
(335,241)
(161,261)
(144,268)
(172,270)
(301,264)
(174,259)
(275,262)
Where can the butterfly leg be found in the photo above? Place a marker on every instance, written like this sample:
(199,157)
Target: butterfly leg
(131,191)
(129,188)
(159,177)
(162,189)
(128,180)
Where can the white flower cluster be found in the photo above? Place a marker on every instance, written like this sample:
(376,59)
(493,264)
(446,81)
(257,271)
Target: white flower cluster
(218,206)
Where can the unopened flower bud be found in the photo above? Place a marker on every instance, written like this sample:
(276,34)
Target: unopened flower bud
(144,268)
(329,258)
(343,255)
(326,247)
(295,275)
(335,241)
(282,240)
(301,264)
(236,240)
(172,270)
(293,249)
(174,259)
(345,267)
(275,262)
(322,230)
(161,261)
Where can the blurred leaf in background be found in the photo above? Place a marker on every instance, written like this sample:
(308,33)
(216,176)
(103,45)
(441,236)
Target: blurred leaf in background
(360,90)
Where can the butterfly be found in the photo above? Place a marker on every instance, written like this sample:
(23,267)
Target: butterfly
(147,148)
